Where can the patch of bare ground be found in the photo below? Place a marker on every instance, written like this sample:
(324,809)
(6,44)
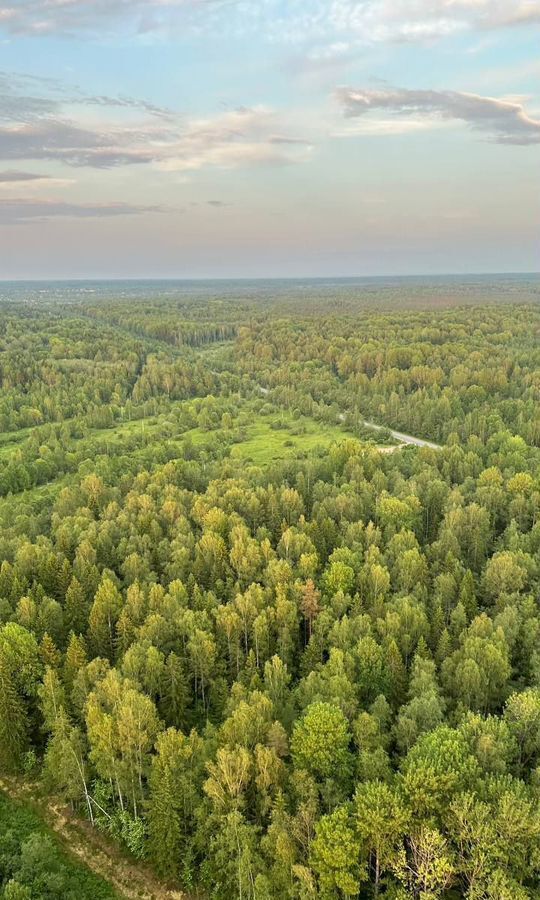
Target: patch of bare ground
(130,879)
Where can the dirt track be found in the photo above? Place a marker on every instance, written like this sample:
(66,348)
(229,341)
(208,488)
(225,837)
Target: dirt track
(130,879)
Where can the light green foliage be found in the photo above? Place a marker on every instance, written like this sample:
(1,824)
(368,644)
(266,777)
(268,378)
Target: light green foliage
(335,856)
(522,714)
(259,652)
(381,822)
(320,742)
(20,652)
(338,577)
(438,767)
(122,726)
(103,617)
(431,864)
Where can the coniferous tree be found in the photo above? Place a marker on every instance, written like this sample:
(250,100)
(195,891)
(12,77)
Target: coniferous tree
(13,722)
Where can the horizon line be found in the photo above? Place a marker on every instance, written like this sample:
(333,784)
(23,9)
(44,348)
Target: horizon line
(249,278)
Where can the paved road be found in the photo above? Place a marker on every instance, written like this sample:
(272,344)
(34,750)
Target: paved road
(397,435)
(400,436)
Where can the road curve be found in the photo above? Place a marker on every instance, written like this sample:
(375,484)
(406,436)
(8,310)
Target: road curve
(399,436)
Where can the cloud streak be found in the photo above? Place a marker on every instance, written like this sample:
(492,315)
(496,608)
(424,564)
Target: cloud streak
(13,176)
(34,127)
(17,211)
(18,99)
(68,17)
(504,121)
(303,21)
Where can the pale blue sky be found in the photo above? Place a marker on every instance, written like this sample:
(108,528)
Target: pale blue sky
(193,138)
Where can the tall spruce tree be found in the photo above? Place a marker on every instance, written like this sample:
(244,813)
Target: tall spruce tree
(13,722)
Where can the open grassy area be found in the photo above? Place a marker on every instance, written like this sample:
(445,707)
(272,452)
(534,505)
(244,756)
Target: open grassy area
(147,426)
(279,435)
(268,437)
(259,436)
(10,440)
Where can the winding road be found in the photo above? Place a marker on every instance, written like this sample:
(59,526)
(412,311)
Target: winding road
(398,436)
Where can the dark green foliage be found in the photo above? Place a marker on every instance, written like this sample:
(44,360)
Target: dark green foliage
(273,664)
(33,865)
(13,722)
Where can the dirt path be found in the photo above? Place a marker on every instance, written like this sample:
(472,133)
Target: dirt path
(130,879)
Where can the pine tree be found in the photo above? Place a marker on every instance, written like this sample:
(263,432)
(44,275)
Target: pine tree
(164,821)
(310,606)
(76,608)
(174,691)
(444,647)
(53,698)
(397,674)
(467,595)
(437,623)
(13,722)
(103,617)
(75,659)
(174,792)
(49,652)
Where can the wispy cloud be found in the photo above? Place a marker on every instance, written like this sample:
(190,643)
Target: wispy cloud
(367,126)
(296,22)
(59,140)
(504,121)
(522,12)
(26,97)
(13,176)
(18,102)
(16,211)
(42,128)
(45,17)
(246,136)
(338,22)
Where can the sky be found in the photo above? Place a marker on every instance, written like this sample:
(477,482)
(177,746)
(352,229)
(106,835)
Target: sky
(260,138)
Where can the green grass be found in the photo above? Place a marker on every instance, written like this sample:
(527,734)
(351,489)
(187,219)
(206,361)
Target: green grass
(150,426)
(264,443)
(10,440)
(18,824)
(215,349)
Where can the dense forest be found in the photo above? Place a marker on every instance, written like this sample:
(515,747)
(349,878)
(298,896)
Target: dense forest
(271,651)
